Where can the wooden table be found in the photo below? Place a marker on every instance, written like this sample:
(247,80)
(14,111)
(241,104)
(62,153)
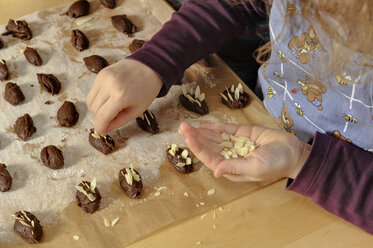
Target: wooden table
(268,217)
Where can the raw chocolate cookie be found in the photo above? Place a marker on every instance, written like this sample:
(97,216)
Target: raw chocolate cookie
(78,9)
(24,127)
(102,144)
(130,181)
(2,43)
(3,70)
(179,158)
(28,227)
(5,179)
(18,29)
(95,63)
(123,24)
(13,94)
(136,45)
(88,196)
(67,115)
(49,83)
(52,157)
(147,122)
(79,40)
(235,98)
(110,4)
(194,101)
(32,56)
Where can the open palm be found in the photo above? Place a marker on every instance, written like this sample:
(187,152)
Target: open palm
(279,154)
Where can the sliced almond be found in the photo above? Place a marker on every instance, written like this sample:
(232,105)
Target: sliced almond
(95,135)
(150,113)
(174,147)
(229,96)
(198,102)
(107,222)
(237,94)
(204,216)
(239,87)
(214,226)
(201,97)
(197,93)
(171,152)
(157,193)
(180,164)
(224,154)
(142,117)
(22,51)
(232,88)
(227,144)
(211,192)
(91,197)
(161,188)
(147,120)
(115,221)
(224,97)
(188,161)
(199,242)
(186,194)
(76,237)
(93,185)
(84,20)
(190,98)
(184,154)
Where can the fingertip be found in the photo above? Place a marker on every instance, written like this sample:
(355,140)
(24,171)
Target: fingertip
(185,129)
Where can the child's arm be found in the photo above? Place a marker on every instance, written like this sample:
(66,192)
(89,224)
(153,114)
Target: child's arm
(196,30)
(333,173)
(124,90)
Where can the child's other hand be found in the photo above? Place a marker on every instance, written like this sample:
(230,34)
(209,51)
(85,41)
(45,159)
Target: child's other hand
(279,154)
(120,93)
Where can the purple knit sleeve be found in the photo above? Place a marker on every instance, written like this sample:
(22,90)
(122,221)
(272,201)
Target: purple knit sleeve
(338,176)
(200,27)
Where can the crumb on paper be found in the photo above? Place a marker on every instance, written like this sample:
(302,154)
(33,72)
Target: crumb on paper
(204,216)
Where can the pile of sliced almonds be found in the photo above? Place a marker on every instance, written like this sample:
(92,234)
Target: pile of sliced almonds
(233,91)
(235,147)
(131,175)
(145,116)
(92,187)
(196,97)
(184,155)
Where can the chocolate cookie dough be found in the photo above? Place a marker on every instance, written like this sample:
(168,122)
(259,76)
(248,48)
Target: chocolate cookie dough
(130,181)
(5,179)
(179,159)
(28,227)
(194,101)
(32,56)
(79,40)
(95,63)
(88,196)
(110,4)
(123,24)
(136,45)
(24,127)
(52,157)
(13,94)
(18,29)
(78,9)
(235,98)
(147,122)
(49,83)
(4,74)
(102,144)
(2,43)
(67,115)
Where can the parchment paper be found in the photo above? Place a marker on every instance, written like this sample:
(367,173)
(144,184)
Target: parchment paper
(50,194)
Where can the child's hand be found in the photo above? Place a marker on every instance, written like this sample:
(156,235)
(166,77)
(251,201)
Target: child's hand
(279,154)
(122,92)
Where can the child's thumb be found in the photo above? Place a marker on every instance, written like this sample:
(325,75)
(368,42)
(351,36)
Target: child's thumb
(230,167)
